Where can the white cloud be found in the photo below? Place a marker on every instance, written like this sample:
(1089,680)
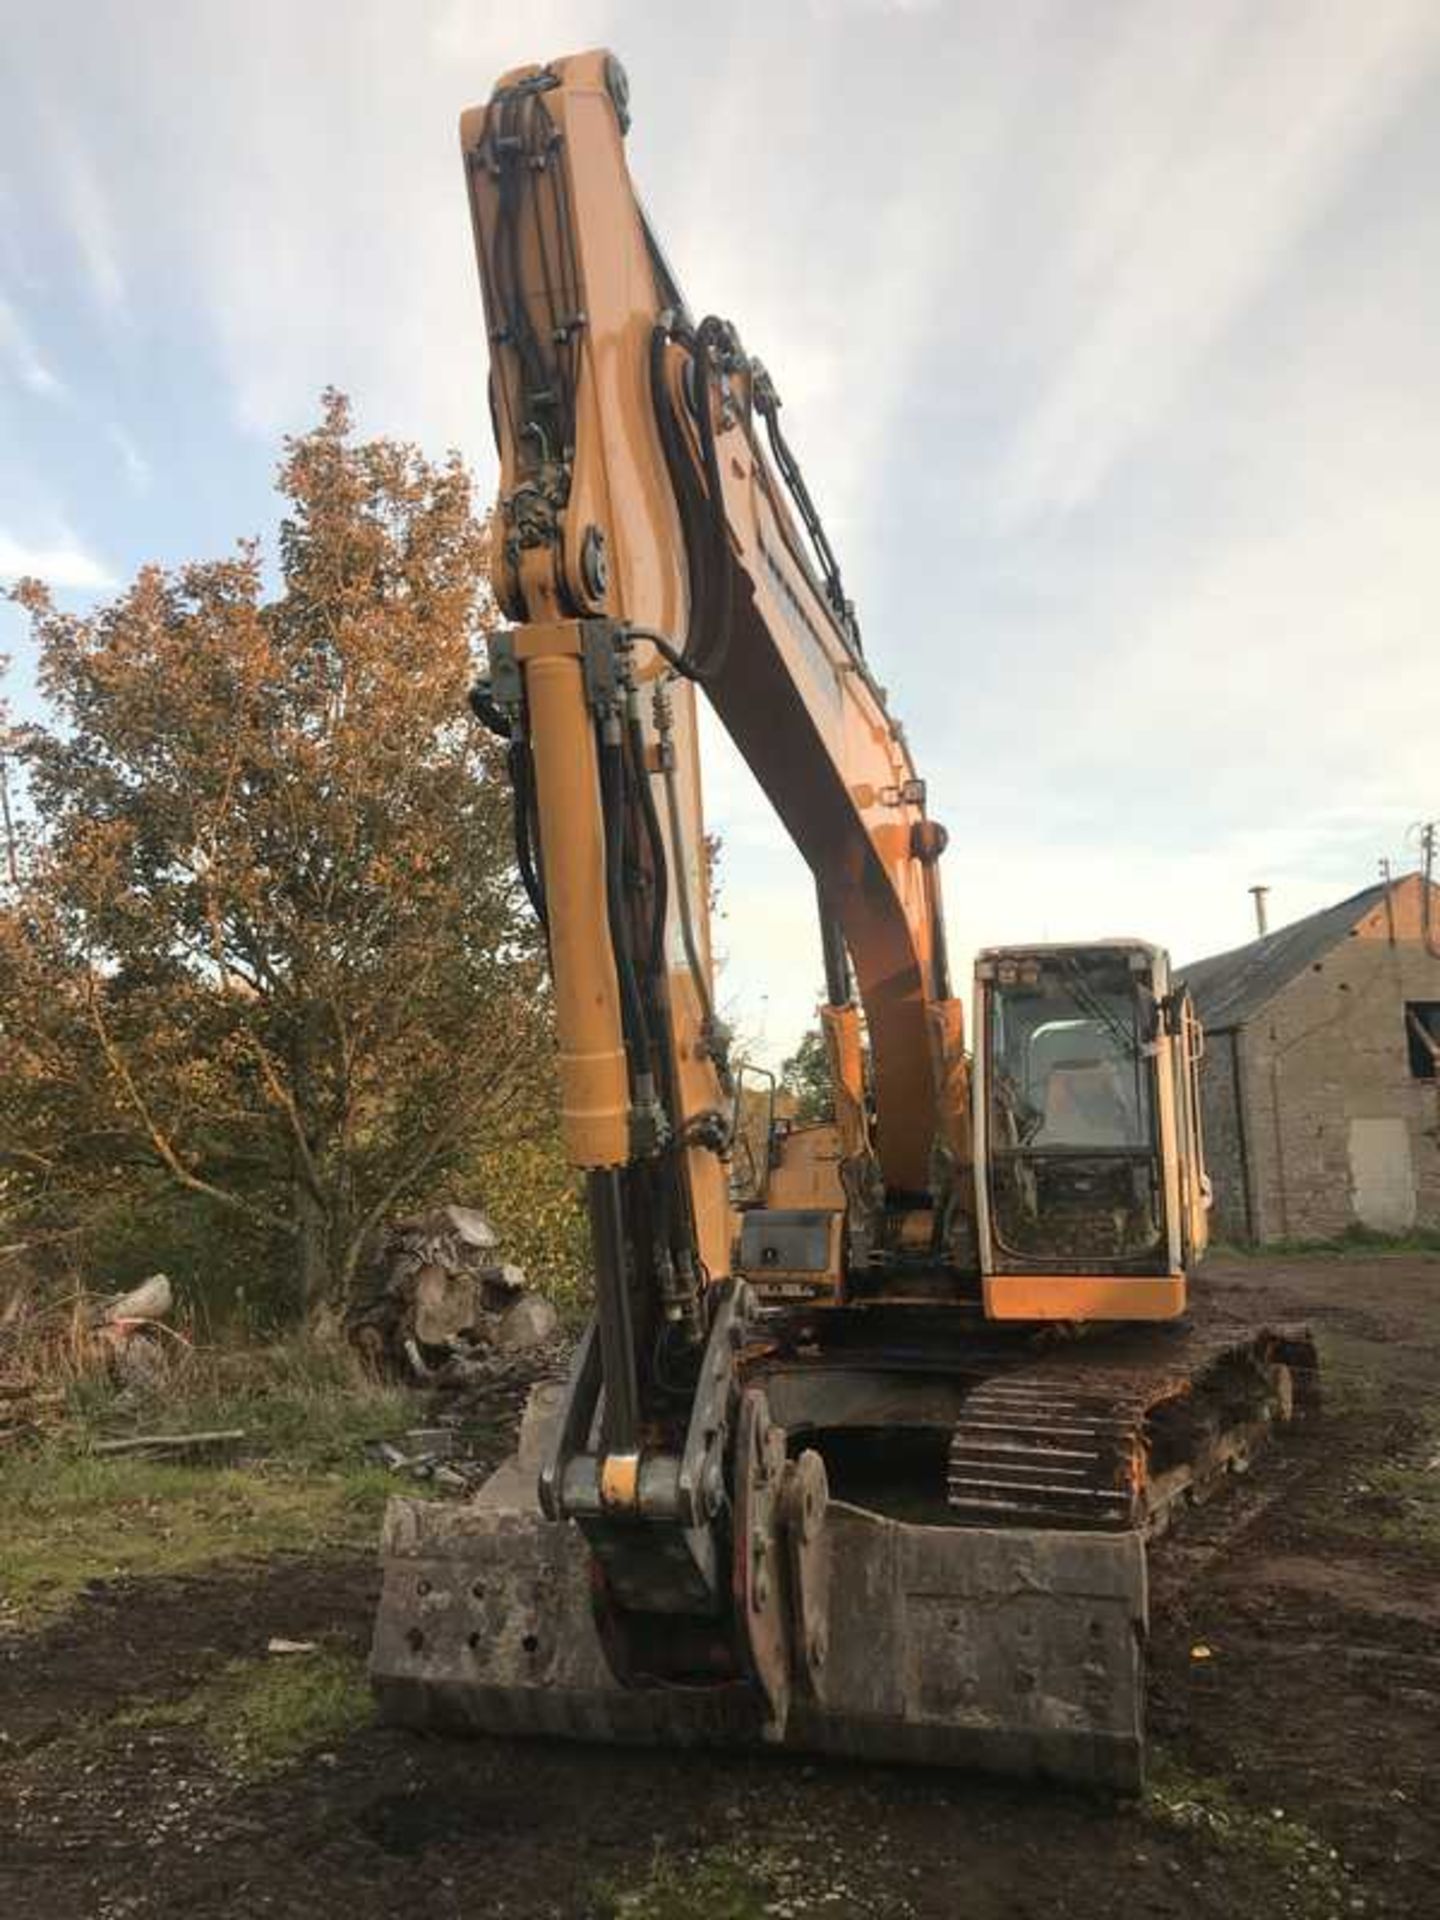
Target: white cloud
(88,216)
(65,564)
(93,233)
(19,350)
(767,938)
(133,463)
(15,267)
(1201,160)
(829,10)
(370,285)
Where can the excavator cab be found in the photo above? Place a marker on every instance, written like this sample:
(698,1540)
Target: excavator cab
(1087,1189)
(1090,1187)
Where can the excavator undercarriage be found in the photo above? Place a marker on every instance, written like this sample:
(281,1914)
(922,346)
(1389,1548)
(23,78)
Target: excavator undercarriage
(966,1587)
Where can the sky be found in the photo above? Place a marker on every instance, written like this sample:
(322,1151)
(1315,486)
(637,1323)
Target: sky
(1105,334)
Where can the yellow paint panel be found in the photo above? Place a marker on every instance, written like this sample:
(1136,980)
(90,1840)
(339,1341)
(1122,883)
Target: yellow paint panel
(1083,1296)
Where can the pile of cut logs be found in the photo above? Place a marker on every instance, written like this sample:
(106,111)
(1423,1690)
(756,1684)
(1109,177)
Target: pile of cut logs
(440,1307)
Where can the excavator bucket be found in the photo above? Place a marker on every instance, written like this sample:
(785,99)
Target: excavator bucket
(998,1626)
(1012,1651)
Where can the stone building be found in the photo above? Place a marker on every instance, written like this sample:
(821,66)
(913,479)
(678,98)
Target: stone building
(1321,1080)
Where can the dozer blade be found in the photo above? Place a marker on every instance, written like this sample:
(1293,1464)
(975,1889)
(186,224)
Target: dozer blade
(1015,1651)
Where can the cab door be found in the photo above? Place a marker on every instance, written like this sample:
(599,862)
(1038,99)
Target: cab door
(1189,1044)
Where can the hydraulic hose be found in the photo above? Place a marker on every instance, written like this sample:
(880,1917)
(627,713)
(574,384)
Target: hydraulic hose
(527,854)
(520,768)
(713,332)
(612,800)
(704,524)
(674,1226)
(659,864)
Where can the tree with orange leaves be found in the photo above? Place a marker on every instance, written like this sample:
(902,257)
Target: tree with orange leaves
(268,943)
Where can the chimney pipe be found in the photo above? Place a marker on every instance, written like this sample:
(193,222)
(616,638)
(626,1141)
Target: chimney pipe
(1262,918)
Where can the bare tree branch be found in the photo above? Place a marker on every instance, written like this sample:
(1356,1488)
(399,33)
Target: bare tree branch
(411,1170)
(285,1101)
(12,851)
(174,1165)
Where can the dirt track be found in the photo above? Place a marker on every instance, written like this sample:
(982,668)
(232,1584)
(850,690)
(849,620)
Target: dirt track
(1299,1752)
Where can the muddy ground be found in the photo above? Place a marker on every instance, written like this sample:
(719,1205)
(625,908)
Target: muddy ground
(1295,1710)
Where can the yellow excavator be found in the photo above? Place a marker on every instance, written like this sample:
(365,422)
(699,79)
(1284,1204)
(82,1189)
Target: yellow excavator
(872,1422)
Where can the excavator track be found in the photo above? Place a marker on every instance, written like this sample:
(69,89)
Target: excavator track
(1029,1454)
(1117,1431)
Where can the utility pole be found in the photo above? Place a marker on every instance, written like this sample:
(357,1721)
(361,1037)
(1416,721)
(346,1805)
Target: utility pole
(1427,887)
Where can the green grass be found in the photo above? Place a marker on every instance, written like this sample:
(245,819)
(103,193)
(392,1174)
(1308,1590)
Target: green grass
(1309,1869)
(256,1717)
(302,1481)
(1394,1497)
(1410,1512)
(1390,1490)
(73,1519)
(1356,1238)
(712,1887)
(1355,1375)
(746,1880)
(308,1403)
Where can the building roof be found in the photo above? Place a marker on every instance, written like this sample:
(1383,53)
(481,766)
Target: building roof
(1229,988)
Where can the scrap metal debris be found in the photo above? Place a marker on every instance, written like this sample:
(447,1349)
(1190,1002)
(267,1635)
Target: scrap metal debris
(447,1458)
